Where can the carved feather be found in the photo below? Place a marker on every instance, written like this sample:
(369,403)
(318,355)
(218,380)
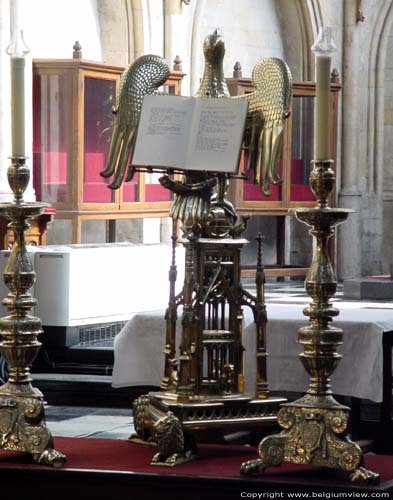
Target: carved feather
(144,76)
(268,109)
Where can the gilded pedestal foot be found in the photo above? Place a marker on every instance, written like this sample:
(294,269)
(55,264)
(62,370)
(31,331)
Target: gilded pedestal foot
(251,467)
(22,428)
(362,475)
(314,436)
(52,457)
(174,459)
(271,453)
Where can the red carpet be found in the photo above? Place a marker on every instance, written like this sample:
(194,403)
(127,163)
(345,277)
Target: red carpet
(214,461)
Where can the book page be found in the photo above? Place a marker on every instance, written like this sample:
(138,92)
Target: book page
(216,134)
(163,131)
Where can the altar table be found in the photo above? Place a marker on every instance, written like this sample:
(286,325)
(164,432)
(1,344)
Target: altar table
(139,358)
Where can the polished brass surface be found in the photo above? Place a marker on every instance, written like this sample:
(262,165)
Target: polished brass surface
(202,391)
(175,427)
(314,425)
(22,419)
(213,81)
(144,76)
(268,110)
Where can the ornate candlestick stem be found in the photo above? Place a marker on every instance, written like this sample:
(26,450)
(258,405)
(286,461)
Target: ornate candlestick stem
(314,425)
(21,405)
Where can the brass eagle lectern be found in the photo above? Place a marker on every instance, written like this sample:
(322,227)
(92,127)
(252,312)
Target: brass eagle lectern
(202,396)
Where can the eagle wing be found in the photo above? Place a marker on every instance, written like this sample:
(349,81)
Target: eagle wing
(144,76)
(267,111)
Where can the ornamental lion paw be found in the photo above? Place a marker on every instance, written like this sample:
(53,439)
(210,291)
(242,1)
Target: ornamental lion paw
(250,467)
(362,475)
(158,458)
(52,457)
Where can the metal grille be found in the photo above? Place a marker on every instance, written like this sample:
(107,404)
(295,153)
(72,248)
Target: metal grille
(100,332)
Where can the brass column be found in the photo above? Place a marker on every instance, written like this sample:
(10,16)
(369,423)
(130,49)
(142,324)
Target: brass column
(170,318)
(262,387)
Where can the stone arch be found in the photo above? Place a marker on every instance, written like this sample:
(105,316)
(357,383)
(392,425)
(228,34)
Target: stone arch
(114,35)
(135,28)
(308,35)
(122,29)
(314,15)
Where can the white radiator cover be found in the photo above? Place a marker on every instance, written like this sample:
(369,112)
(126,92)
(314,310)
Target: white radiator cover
(87,284)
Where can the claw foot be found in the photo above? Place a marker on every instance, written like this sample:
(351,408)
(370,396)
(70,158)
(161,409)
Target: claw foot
(250,467)
(172,460)
(52,457)
(362,475)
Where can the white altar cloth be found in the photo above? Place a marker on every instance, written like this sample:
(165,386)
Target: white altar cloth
(139,345)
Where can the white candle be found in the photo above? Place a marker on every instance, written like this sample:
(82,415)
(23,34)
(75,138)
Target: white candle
(322,108)
(18,105)
(323,48)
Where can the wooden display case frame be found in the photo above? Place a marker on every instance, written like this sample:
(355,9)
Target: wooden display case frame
(74,208)
(280,209)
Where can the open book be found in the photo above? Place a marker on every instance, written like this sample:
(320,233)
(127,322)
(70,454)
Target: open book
(190,133)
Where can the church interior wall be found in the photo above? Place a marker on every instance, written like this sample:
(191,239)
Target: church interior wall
(251,30)
(115,31)
(388,162)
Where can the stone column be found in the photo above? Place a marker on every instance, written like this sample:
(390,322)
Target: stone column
(349,256)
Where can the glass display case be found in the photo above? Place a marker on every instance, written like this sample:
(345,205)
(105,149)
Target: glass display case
(72,127)
(295,166)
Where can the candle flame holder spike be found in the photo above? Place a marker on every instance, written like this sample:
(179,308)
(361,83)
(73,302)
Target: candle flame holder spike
(22,417)
(314,426)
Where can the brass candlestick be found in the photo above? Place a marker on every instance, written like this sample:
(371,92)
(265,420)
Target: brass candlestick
(22,418)
(314,425)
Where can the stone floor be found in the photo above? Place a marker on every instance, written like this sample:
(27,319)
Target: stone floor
(88,422)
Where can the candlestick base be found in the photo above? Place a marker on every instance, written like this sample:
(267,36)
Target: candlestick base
(22,426)
(313,428)
(22,419)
